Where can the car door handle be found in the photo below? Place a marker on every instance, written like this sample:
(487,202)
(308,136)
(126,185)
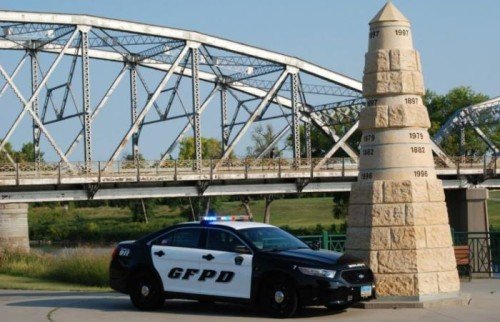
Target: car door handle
(238,260)
(159,253)
(208,257)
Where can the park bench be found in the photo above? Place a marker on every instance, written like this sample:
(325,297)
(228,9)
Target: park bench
(462,255)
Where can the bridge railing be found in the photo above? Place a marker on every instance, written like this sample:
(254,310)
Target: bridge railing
(144,170)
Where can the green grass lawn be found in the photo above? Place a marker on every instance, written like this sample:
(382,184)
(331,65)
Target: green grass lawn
(295,213)
(494,209)
(114,224)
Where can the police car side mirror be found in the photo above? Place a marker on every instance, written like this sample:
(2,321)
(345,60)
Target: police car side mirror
(241,249)
(314,245)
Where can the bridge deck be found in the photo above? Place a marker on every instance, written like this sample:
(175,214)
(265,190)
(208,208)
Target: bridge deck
(29,174)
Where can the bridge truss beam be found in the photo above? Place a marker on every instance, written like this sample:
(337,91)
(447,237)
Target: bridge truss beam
(251,86)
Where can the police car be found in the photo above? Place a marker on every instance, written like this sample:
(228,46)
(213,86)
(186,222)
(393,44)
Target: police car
(228,260)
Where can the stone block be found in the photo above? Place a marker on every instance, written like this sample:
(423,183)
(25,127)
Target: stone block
(395,59)
(393,82)
(403,59)
(377,61)
(397,115)
(417,116)
(426,213)
(397,191)
(358,238)
(396,285)
(418,83)
(381,116)
(419,65)
(419,191)
(408,116)
(386,215)
(396,82)
(403,238)
(448,281)
(369,85)
(14,227)
(380,238)
(366,192)
(397,261)
(407,85)
(374,117)
(438,236)
(421,241)
(364,238)
(435,190)
(356,216)
(436,259)
(426,283)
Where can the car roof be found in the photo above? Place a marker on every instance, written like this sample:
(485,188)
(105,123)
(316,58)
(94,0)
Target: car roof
(234,224)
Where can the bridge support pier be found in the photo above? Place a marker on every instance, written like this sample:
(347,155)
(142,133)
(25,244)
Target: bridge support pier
(14,227)
(467,209)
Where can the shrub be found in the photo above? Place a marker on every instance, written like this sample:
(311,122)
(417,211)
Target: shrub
(83,266)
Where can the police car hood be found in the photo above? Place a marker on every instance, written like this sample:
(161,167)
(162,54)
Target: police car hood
(319,256)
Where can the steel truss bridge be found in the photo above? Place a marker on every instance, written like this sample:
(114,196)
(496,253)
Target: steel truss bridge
(85,84)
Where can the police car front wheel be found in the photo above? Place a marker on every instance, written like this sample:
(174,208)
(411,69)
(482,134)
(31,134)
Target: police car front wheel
(145,293)
(280,298)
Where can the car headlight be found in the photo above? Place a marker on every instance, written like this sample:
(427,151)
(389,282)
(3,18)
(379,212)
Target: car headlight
(317,272)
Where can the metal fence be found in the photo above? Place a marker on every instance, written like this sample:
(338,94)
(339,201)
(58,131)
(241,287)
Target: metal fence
(173,170)
(484,248)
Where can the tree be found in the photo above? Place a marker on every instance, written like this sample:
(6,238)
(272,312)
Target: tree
(26,154)
(262,137)
(340,205)
(140,209)
(210,149)
(3,154)
(245,203)
(442,107)
(267,208)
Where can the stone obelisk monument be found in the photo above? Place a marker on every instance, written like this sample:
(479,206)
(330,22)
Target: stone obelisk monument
(397,219)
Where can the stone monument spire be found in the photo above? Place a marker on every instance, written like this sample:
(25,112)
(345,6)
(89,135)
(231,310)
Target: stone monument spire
(397,219)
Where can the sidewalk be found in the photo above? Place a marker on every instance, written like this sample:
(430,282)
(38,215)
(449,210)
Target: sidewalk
(74,306)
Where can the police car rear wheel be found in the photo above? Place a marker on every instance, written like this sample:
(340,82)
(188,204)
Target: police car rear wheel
(145,293)
(280,298)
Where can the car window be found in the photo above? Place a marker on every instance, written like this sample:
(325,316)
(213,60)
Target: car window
(188,237)
(223,241)
(272,238)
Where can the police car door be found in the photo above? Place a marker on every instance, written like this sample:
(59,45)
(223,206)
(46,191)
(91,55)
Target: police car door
(176,256)
(227,265)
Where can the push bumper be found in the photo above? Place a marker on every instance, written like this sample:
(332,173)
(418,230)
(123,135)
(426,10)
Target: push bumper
(335,293)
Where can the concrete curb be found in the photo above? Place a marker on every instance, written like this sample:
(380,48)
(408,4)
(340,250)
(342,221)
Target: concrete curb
(462,299)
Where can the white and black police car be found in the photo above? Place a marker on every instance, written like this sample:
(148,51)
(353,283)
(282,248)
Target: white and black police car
(228,260)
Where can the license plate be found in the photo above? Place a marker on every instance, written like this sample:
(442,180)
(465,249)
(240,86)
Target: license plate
(366,291)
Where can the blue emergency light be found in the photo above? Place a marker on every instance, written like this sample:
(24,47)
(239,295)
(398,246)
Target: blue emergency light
(211,219)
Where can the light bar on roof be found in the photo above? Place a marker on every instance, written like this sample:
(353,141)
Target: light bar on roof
(225,218)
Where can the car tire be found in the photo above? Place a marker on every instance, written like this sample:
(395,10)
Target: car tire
(279,297)
(146,292)
(338,307)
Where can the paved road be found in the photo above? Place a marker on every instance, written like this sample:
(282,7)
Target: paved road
(74,306)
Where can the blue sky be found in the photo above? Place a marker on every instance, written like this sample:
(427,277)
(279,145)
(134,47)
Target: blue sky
(458,39)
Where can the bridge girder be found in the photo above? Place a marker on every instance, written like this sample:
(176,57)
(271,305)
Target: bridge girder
(253,78)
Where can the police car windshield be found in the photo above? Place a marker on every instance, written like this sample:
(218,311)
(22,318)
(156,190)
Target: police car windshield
(272,239)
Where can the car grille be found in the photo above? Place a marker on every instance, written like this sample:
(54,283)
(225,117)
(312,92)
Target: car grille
(358,276)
